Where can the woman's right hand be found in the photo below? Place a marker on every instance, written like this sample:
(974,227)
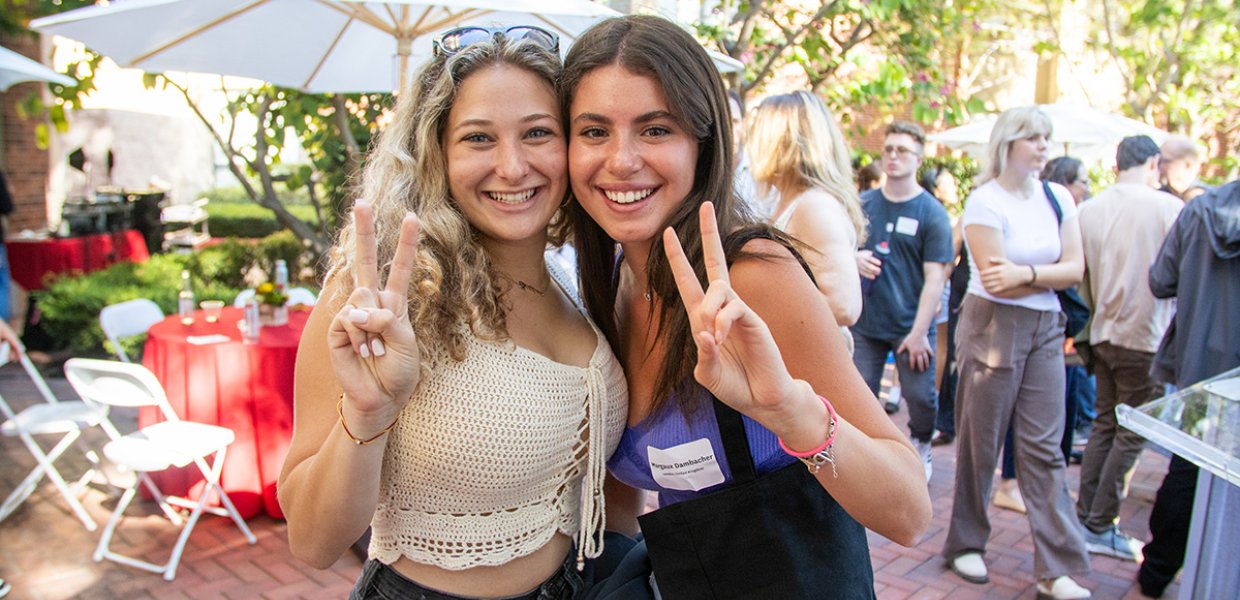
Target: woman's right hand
(374,351)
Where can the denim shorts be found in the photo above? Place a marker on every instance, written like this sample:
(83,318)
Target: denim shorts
(381,582)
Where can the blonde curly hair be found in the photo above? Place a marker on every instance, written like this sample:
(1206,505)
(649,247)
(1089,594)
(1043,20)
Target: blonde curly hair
(454,290)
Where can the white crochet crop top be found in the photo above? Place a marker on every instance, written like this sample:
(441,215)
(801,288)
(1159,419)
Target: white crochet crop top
(495,454)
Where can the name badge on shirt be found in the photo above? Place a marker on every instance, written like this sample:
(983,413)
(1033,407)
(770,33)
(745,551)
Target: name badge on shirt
(690,466)
(906,226)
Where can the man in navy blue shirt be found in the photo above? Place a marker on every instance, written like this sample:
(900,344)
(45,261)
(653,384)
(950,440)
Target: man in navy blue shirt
(903,266)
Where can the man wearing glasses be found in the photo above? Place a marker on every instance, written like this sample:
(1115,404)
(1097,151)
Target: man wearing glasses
(903,266)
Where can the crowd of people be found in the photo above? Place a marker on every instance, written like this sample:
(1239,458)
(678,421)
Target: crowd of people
(497,420)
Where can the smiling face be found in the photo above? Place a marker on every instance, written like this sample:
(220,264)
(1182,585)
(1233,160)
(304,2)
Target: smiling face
(505,151)
(631,161)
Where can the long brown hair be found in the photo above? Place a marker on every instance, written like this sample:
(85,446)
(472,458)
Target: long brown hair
(653,47)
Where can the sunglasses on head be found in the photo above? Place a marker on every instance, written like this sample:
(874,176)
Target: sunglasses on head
(454,40)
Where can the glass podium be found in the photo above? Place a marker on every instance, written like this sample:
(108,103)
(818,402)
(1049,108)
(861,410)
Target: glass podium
(1201,424)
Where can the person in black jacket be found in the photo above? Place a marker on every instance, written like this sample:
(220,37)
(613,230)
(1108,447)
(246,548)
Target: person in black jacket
(1199,266)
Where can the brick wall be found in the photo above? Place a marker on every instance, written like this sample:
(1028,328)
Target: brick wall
(25,165)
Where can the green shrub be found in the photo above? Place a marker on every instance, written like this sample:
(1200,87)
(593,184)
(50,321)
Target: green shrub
(70,305)
(235,194)
(249,220)
(226,262)
(281,245)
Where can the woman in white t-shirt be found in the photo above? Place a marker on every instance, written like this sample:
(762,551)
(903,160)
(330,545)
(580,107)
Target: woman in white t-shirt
(1010,355)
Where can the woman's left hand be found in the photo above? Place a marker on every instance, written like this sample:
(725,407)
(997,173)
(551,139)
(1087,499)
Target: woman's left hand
(738,360)
(1003,275)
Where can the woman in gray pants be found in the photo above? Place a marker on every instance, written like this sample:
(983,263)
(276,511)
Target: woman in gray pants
(1010,356)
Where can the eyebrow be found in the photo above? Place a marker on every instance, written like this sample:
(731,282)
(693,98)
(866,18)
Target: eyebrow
(653,115)
(485,122)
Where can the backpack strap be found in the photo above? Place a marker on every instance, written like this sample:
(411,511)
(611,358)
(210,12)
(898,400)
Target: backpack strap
(1050,197)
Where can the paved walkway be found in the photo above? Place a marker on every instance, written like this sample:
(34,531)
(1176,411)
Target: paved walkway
(46,553)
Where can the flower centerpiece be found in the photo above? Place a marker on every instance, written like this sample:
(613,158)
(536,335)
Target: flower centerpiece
(272,304)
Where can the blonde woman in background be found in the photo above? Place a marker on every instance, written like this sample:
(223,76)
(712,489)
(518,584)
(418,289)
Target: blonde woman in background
(1009,349)
(799,154)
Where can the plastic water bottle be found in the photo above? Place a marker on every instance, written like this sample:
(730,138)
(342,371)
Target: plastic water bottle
(250,324)
(280,315)
(185,300)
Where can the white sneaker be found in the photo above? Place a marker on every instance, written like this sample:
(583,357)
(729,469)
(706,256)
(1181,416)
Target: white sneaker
(892,406)
(1062,588)
(927,457)
(1008,496)
(970,567)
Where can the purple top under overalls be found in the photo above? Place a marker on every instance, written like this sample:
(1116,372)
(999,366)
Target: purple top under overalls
(682,460)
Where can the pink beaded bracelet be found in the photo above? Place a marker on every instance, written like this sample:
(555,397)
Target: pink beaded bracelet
(831,426)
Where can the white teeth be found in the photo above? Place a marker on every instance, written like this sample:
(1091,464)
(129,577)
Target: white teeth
(515,198)
(628,197)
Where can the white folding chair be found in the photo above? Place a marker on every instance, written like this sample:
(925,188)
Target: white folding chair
(171,443)
(242,297)
(126,319)
(52,417)
(301,295)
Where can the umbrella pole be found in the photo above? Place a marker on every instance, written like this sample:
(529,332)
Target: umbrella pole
(404,47)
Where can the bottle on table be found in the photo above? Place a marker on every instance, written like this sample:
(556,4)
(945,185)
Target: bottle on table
(251,325)
(280,314)
(185,300)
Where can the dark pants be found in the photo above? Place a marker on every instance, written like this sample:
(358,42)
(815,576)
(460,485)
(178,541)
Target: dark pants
(945,413)
(916,387)
(1111,455)
(381,582)
(1169,522)
(1082,388)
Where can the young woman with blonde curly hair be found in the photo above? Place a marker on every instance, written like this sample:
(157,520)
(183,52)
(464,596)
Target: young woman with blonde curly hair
(464,409)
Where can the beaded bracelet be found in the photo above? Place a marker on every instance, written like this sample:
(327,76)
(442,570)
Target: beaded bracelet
(814,459)
(357,440)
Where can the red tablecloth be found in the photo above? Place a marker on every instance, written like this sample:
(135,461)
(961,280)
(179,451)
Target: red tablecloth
(245,387)
(32,260)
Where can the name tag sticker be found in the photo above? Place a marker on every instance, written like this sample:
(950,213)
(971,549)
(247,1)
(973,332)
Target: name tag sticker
(906,226)
(690,466)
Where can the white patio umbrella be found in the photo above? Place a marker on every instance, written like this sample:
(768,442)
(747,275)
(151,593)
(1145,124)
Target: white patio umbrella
(1080,131)
(15,68)
(313,45)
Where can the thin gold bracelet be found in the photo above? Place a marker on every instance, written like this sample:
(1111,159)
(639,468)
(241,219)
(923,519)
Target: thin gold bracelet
(357,440)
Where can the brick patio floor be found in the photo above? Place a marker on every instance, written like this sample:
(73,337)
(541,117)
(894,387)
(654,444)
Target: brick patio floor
(46,553)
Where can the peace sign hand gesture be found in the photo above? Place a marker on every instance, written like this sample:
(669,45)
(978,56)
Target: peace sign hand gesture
(738,360)
(374,352)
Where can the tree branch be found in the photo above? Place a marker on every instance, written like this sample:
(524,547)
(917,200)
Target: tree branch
(303,231)
(340,117)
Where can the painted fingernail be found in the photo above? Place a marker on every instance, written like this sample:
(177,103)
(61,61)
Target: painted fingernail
(359,316)
(364,350)
(377,346)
